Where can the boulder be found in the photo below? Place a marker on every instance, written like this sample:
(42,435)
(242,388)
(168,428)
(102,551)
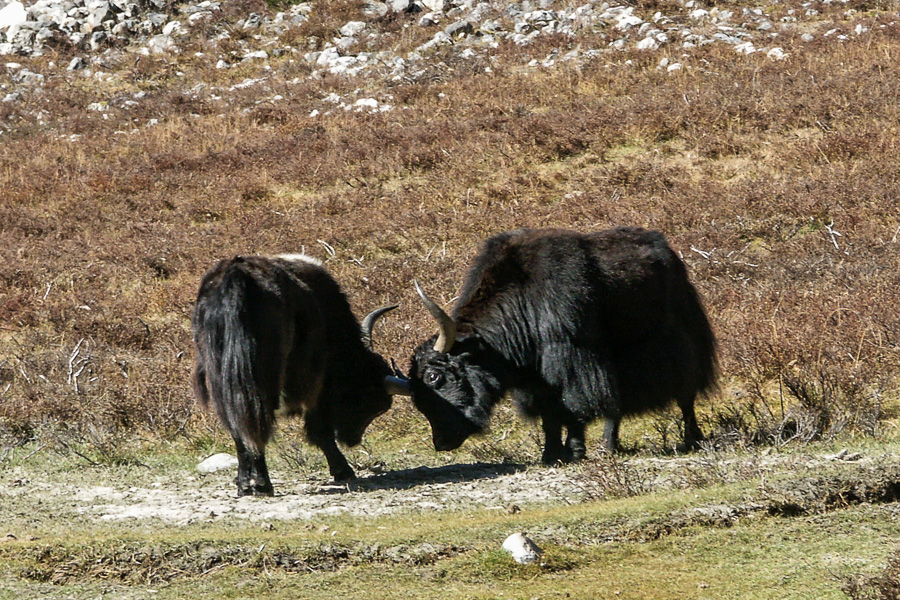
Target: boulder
(218,462)
(522,549)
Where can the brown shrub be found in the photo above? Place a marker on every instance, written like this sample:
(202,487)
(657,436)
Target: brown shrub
(775,180)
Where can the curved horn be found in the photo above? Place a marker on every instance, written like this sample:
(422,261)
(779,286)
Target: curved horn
(397,386)
(448,327)
(369,322)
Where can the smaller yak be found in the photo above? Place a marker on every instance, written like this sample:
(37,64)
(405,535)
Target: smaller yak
(273,331)
(574,327)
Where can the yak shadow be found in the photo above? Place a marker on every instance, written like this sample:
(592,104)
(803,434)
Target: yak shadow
(405,479)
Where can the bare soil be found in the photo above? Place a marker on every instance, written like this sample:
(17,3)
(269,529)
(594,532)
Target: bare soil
(786,484)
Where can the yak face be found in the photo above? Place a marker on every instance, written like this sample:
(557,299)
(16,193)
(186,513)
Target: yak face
(453,390)
(360,405)
(350,431)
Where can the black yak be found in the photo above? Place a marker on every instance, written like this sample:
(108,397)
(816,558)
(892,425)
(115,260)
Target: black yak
(276,332)
(573,327)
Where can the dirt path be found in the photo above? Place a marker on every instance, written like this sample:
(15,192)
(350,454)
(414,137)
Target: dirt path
(182,499)
(212,497)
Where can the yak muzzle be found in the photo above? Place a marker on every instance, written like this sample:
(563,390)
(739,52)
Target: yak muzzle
(444,443)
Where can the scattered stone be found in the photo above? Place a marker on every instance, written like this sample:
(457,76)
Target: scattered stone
(353,28)
(375,10)
(459,28)
(777,54)
(218,462)
(94,29)
(435,5)
(522,549)
(12,15)
(401,6)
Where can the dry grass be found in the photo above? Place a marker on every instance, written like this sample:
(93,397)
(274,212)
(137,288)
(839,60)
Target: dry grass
(776,180)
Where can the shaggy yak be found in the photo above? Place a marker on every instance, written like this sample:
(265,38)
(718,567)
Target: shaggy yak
(573,327)
(272,331)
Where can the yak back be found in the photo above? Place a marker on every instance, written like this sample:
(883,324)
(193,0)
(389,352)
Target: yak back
(609,318)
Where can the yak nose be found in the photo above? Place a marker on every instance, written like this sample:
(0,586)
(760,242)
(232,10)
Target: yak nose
(442,444)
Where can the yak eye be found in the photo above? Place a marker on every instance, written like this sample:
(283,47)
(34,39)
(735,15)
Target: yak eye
(433,377)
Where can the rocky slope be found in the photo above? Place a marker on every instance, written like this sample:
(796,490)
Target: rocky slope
(100,31)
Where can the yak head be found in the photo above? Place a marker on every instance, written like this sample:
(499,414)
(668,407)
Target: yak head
(368,395)
(451,382)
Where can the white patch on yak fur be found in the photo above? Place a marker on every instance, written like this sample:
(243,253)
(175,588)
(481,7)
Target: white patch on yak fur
(301,258)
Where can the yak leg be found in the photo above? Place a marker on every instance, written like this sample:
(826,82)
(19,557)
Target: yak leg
(610,435)
(575,448)
(554,451)
(692,433)
(321,434)
(253,473)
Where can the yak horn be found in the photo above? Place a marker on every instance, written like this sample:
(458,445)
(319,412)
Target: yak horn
(448,328)
(369,322)
(397,386)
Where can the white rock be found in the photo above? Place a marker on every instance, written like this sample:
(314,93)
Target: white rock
(352,28)
(328,56)
(435,5)
(172,27)
(648,44)
(218,462)
(12,14)
(430,19)
(521,548)
(159,44)
(776,54)
(439,39)
(626,20)
(370,104)
(375,10)
(76,64)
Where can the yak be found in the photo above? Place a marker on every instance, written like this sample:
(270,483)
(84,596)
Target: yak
(277,333)
(573,327)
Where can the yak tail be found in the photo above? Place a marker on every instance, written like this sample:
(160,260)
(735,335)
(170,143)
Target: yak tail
(233,371)
(704,339)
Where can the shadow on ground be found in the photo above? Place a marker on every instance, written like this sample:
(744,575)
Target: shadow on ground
(405,479)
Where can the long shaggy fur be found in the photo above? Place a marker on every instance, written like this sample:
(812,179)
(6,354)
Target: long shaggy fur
(273,331)
(574,327)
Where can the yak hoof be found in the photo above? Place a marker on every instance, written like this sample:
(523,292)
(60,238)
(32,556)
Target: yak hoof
(344,476)
(255,492)
(255,489)
(691,446)
(567,456)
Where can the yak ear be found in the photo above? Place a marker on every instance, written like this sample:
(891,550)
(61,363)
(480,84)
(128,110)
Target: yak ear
(397,386)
